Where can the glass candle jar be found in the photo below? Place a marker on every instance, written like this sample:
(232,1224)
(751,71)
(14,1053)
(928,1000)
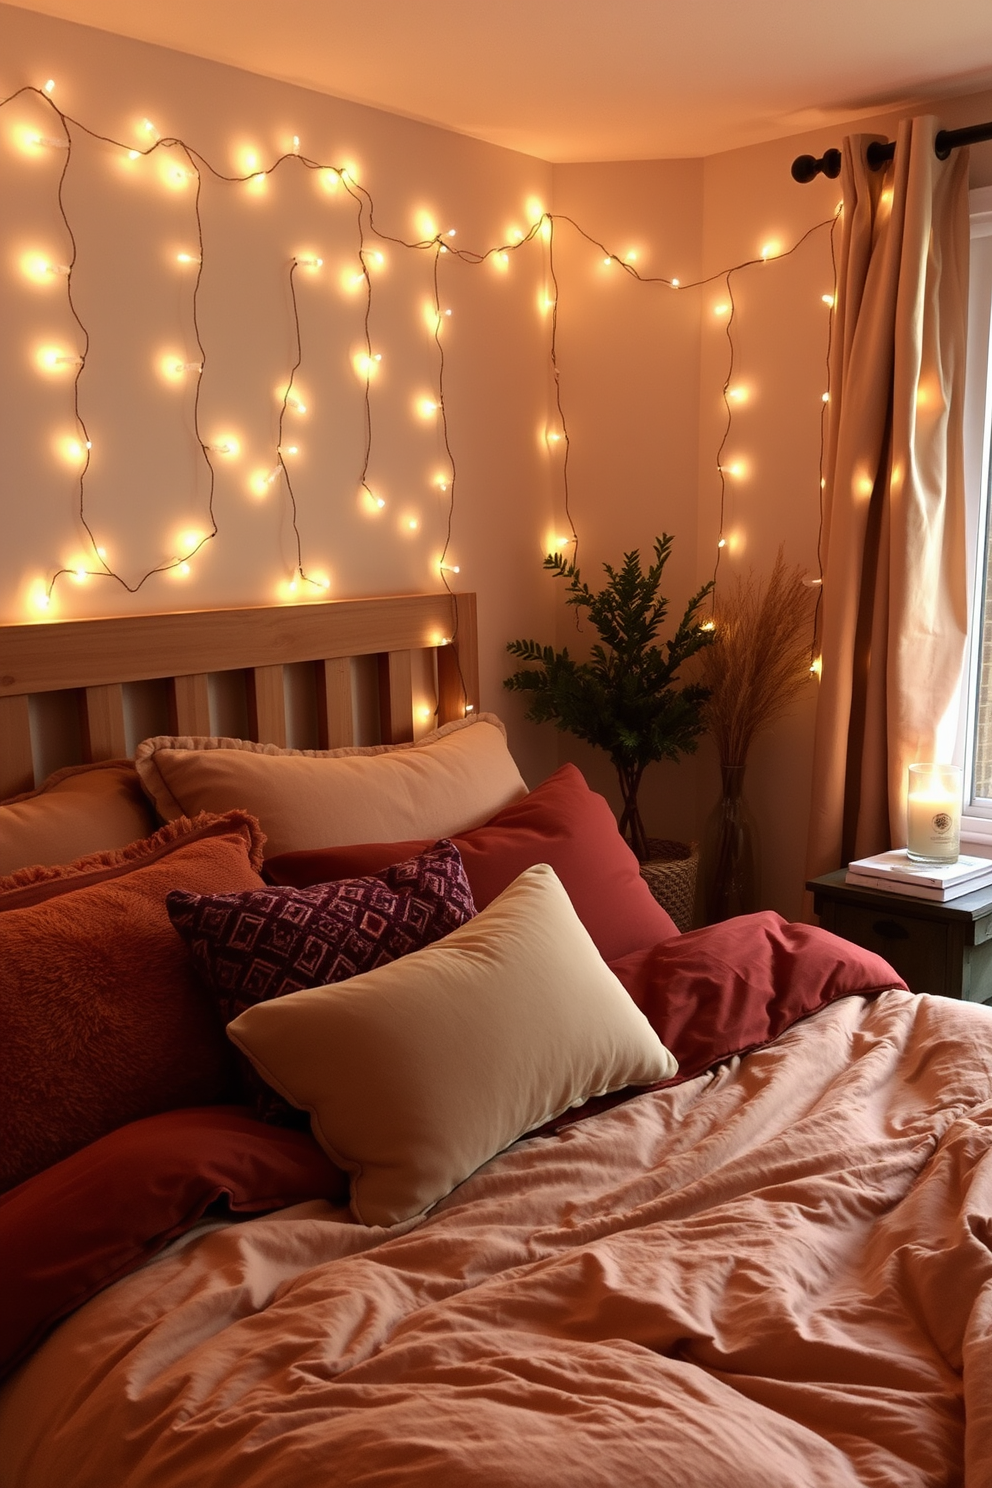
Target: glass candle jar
(934,810)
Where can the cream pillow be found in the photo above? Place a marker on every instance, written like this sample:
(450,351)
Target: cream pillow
(77,811)
(416,1073)
(454,779)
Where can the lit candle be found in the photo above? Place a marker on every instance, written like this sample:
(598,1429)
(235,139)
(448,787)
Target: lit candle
(934,813)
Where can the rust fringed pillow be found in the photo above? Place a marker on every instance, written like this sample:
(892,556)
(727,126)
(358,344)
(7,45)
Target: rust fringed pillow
(102,1020)
(255,946)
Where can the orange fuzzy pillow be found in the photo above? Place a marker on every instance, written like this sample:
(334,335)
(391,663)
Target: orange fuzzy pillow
(102,1020)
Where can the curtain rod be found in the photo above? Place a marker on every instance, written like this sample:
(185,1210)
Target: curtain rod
(806,168)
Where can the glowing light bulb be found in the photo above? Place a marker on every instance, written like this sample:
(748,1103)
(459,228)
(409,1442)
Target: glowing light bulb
(49,87)
(373,256)
(708,625)
(828,300)
(771,250)
(737,394)
(825,397)
(51,141)
(309,261)
(736,469)
(813,583)
(722,309)
(289,449)
(449,568)
(722,543)
(148,127)
(296,144)
(43,601)
(263,480)
(451,232)
(675,283)
(469,707)
(101,553)
(425,713)
(226,445)
(608,260)
(515,235)
(330,179)
(411,524)
(501,260)
(181,570)
(816,669)
(188,258)
(631,256)
(292,401)
(534,209)
(80,575)
(35,266)
(134,154)
(76,450)
(427,408)
(54,359)
(552,436)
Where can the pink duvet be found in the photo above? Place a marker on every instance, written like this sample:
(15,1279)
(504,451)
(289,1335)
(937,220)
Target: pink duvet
(777,1274)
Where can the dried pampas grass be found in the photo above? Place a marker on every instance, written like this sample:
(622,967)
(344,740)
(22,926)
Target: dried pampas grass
(761,658)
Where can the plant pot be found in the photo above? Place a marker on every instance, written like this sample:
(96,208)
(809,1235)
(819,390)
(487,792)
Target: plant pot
(670,874)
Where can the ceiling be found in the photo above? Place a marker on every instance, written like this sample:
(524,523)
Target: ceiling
(586,79)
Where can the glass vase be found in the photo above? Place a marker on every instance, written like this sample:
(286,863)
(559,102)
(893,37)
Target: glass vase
(729,860)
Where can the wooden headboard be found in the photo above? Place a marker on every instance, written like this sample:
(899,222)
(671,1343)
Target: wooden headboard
(95,660)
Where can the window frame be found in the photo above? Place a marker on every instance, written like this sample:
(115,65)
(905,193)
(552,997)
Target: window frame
(976,820)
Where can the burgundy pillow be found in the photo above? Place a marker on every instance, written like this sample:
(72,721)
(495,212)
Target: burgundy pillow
(72,1230)
(251,947)
(562,823)
(103,1021)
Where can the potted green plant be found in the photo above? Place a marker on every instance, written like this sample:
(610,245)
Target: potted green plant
(625,698)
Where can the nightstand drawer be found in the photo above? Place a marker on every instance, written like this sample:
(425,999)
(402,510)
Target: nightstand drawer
(917,949)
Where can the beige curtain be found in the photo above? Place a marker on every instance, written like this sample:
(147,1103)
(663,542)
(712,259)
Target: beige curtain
(893,615)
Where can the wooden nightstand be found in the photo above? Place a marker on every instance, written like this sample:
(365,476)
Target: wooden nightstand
(940,948)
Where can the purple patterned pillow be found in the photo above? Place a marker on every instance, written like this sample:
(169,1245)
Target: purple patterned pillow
(252,946)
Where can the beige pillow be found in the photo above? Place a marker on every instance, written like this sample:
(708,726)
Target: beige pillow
(416,1073)
(81,810)
(450,781)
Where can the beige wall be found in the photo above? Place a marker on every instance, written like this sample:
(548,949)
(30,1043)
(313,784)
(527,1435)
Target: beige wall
(642,368)
(147,484)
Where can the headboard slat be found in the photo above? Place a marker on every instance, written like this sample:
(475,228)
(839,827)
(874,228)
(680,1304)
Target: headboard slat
(335,707)
(189,704)
(16,767)
(104,731)
(396,697)
(267,705)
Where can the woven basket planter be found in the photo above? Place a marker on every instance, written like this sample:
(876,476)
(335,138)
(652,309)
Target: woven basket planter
(670,874)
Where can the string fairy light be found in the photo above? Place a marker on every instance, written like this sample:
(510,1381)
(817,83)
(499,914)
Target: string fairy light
(344,178)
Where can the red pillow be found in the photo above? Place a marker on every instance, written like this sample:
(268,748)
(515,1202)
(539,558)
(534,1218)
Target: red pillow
(72,1230)
(563,823)
(103,1022)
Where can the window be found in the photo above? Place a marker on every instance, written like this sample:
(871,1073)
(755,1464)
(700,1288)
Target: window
(975,722)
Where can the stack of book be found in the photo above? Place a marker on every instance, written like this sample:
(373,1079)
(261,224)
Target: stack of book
(897,873)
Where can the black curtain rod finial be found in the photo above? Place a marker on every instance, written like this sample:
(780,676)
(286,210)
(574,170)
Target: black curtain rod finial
(806,168)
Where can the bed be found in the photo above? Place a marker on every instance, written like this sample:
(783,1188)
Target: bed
(367,1122)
